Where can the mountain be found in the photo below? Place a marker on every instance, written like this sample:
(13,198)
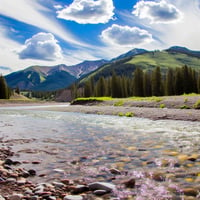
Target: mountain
(130,53)
(184,50)
(147,60)
(46,78)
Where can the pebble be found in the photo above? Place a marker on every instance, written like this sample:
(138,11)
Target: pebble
(100,192)
(58,184)
(80,189)
(1,198)
(115,171)
(130,183)
(108,187)
(73,197)
(15,197)
(190,192)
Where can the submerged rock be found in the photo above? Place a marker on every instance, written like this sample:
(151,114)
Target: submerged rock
(73,197)
(108,187)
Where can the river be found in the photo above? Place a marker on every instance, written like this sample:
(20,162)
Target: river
(162,155)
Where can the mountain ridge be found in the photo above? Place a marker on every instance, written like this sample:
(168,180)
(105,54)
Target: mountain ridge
(49,78)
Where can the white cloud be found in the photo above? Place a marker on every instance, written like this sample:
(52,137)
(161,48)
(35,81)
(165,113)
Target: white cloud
(88,11)
(30,12)
(125,36)
(157,12)
(42,46)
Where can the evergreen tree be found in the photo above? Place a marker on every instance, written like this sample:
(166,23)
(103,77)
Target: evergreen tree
(198,83)
(115,89)
(170,82)
(156,82)
(138,83)
(178,82)
(101,87)
(87,89)
(4,93)
(147,84)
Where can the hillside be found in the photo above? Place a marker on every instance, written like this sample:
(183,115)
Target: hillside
(172,57)
(49,78)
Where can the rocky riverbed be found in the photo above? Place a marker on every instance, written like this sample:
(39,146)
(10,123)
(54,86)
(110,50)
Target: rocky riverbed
(111,183)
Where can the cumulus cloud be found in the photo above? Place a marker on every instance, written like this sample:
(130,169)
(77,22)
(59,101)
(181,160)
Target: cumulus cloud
(125,36)
(42,46)
(88,11)
(157,12)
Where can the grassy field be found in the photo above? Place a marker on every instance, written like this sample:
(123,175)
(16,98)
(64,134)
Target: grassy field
(165,60)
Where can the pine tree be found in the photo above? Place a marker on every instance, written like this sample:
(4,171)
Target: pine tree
(147,84)
(138,83)
(101,87)
(178,82)
(4,94)
(156,82)
(170,82)
(115,89)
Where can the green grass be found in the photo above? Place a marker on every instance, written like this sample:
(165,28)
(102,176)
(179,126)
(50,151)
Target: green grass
(119,103)
(197,105)
(156,99)
(94,99)
(164,60)
(162,105)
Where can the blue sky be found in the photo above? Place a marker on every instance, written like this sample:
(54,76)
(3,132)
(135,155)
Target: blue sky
(50,32)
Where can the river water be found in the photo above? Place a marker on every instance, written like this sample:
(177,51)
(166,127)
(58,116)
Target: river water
(163,156)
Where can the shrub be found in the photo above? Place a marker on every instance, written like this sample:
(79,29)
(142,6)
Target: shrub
(184,107)
(129,114)
(119,103)
(197,105)
(162,105)
(120,114)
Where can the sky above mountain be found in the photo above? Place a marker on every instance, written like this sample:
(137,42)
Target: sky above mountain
(50,32)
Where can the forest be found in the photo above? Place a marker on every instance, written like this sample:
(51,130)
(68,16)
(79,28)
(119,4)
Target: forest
(142,83)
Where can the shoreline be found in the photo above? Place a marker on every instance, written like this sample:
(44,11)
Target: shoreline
(167,108)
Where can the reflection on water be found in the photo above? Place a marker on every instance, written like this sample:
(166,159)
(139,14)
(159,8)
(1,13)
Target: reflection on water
(78,145)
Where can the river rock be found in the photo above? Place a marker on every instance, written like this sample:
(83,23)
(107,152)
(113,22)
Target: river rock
(8,162)
(1,198)
(108,187)
(80,189)
(15,197)
(130,183)
(32,172)
(190,192)
(115,171)
(100,192)
(73,197)
(58,184)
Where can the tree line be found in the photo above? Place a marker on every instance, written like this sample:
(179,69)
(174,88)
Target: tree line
(5,92)
(143,84)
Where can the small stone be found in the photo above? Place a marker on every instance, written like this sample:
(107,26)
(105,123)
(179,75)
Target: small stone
(1,198)
(130,183)
(100,192)
(10,180)
(190,192)
(32,172)
(36,162)
(8,162)
(58,185)
(115,171)
(101,186)
(80,189)
(16,197)
(73,197)
(158,177)
(21,181)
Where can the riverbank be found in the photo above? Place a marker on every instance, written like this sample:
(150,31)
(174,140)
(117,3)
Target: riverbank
(184,108)
(155,108)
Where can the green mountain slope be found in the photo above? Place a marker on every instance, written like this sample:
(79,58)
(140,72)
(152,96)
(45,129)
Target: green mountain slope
(147,61)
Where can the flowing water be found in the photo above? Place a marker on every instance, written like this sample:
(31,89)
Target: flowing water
(163,156)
